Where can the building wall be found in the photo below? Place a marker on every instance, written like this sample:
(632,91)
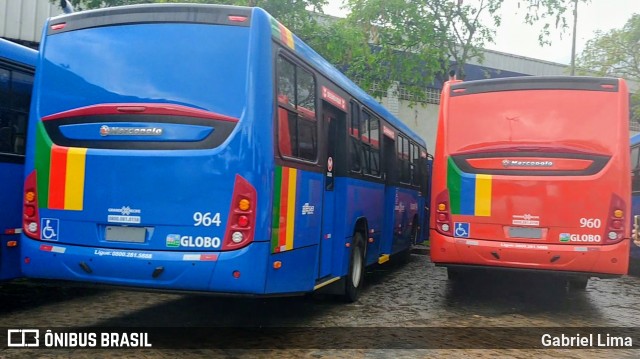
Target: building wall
(22,20)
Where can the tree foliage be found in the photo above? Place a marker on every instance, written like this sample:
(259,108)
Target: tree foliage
(384,42)
(437,32)
(615,53)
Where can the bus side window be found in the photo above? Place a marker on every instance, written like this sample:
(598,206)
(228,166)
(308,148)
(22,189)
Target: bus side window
(374,146)
(354,138)
(635,153)
(15,97)
(635,169)
(404,160)
(284,133)
(415,174)
(297,123)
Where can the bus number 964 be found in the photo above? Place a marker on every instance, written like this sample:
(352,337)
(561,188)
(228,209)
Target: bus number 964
(205,219)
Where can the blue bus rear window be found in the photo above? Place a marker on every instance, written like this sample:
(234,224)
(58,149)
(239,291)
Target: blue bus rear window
(196,65)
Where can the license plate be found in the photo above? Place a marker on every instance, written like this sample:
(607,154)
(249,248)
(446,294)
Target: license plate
(125,234)
(521,232)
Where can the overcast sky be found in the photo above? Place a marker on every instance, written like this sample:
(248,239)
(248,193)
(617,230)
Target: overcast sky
(517,38)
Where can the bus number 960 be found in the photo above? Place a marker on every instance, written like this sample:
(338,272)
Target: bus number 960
(205,219)
(590,223)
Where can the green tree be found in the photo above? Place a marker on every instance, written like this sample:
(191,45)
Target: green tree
(410,42)
(615,53)
(415,41)
(462,30)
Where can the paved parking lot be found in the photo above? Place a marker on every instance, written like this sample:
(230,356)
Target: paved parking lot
(396,298)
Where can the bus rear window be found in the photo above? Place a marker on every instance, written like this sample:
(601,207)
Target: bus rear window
(195,65)
(582,120)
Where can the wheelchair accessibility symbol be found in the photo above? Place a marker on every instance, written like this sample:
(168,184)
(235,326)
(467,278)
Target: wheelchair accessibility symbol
(461,229)
(49,229)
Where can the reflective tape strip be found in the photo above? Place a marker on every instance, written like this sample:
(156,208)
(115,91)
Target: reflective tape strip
(326,283)
(200,257)
(13,231)
(50,248)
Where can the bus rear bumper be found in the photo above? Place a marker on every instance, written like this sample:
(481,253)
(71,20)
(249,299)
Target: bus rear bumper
(190,271)
(604,259)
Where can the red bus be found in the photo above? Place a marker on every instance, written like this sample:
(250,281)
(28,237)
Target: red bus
(530,173)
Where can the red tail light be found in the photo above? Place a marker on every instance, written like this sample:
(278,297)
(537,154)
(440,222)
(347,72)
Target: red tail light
(242,216)
(616,220)
(443,214)
(237,18)
(30,213)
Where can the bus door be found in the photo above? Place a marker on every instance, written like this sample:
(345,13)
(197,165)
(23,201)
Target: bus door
(390,190)
(334,126)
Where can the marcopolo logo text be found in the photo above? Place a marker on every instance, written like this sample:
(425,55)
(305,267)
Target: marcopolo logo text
(519,163)
(129,131)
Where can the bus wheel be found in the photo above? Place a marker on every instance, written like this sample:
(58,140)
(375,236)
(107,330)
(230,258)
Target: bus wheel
(453,274)
(415,232)
(355,277)
(577,283)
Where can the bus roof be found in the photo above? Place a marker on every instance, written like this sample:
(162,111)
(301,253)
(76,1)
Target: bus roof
(17,53)
(635,139)
(206,13)
(523,83)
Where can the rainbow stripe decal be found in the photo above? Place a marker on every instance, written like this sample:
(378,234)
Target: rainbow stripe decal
(284,209)
(281,33)
(470,194)
(61,173)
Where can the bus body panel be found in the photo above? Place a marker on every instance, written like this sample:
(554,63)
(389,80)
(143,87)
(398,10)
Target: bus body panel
(12,175)
(608,259)
(405,205)
(635,193)
(17,66)
(635,249)
(297,206)
(362,200)
(116,181)
(194,271)
(541,179)
(139,210)
(297,274)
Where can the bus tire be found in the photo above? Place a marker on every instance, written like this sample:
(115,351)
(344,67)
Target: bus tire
(453,274)
(634,267)
(415,231)
(355,276)
(577,283)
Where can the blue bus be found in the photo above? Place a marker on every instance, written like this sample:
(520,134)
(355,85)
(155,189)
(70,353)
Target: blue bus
(207,148)
(17,68)
(634,262)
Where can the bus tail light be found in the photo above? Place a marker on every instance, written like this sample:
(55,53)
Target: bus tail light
(30,213)
(242,216)
(443,213)
(615,221)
